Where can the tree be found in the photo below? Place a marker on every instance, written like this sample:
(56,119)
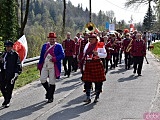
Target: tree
(8,20)
(149,19)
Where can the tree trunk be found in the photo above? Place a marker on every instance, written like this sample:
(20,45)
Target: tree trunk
(25,18)
(64,17)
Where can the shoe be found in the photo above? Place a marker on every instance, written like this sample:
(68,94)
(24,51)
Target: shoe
(4,103)
(7,105)
(139,75)
(68,75)
(65,74)
(95,100)
(134,72)
(50,101)
(87,100)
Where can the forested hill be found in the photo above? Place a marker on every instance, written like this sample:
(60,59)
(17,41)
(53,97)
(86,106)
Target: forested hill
(47,15)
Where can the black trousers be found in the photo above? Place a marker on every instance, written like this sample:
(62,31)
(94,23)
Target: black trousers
(68,59)
(107,62)
(127,60)
(137,62)
(75,64)
(115,57)
(6,87)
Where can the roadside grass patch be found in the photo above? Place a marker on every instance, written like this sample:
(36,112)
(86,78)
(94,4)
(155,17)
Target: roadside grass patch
(156,50)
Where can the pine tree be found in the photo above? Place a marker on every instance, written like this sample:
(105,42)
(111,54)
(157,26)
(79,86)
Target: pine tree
(149,19)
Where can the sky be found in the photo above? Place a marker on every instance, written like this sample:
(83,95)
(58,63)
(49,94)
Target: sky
(121,13)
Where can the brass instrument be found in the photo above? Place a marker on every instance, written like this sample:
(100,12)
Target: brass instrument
(90,27)
(129,46)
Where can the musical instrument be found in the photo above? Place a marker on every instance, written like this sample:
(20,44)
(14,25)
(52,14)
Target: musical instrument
(90,27)
(129,46)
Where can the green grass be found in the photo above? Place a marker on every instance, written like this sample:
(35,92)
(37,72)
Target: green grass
(156,49)
(28,75)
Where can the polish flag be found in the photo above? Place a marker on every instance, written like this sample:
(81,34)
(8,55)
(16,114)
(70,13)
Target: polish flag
(22,48)
(131,28)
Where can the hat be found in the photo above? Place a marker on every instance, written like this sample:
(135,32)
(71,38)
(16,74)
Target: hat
(127,34)
(8,43)
(92,35)
(52,35)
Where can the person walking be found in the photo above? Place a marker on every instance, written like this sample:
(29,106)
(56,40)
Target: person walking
(93,69)
(50,65)
(10,69)
(69,49)
(138,51)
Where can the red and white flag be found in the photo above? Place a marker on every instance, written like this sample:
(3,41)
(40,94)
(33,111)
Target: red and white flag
(132,27)
(22,48)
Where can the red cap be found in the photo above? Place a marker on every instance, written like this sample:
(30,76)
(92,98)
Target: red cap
(52,35)
(92,35)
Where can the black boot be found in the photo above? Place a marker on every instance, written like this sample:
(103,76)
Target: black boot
(51,93)
(88,94)
(97,96)
(46,86)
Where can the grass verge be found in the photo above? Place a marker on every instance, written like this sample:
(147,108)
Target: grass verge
(156,50)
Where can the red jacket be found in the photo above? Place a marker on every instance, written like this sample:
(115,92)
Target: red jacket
(138,48)
(126,42)
(69,47)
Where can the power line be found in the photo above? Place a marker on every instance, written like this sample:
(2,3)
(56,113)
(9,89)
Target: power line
(122,8)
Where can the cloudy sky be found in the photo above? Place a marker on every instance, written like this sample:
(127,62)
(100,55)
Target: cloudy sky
(121,13)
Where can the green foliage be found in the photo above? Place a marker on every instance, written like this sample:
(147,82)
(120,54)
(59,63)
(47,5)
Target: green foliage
(46,16)
(156,49)
(8,20)
(149,19)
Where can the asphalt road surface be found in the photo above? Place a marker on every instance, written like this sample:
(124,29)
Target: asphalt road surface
(124,97)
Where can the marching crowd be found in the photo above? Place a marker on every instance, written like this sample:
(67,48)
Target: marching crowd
(93,53)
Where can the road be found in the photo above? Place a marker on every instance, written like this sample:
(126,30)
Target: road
(124,97)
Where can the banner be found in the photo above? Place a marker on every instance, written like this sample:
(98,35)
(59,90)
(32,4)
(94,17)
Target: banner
(111,27)
(107,25)
(22,48)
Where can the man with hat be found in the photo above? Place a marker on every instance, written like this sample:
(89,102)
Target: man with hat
(50,65)
(11,67)
(93,69)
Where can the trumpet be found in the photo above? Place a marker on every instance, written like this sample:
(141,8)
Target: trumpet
(90,27)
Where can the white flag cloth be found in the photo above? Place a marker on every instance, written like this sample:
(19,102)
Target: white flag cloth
(22,48)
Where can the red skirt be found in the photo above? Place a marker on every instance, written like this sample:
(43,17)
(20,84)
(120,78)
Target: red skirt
(94,71)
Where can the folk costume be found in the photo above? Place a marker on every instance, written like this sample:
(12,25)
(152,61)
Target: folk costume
(50,66)
(10,68)
(93,69)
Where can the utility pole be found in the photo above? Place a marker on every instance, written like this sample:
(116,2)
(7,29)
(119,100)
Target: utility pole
(90,10)
(149,9)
